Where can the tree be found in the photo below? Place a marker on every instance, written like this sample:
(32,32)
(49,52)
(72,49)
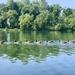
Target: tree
(3,16)
(12,16)
(26,2)
(26,22)
(72,24)
(50,8)
(67,12)
(34,10)
(43,21)
(10,4)
(43,5)
(25,9)
(35,3)
(19,6)
(56,13)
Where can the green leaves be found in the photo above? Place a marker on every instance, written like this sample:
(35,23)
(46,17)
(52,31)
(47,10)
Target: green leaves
(12,15)
(26,21)
(10,4)
(67,12)
(43,21)
(37,15)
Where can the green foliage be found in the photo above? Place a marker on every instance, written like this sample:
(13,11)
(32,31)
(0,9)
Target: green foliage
(67,12)
(26,21)
(43,21)
(3,16)
(40,15)
(26,2)
(72,24)
(18,7)
(44,5)
(10,4)
(12,15)
(25,9)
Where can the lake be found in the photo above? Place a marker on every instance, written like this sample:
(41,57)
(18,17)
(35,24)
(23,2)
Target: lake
(32,59)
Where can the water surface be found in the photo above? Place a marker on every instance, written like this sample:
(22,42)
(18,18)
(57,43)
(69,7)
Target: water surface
(22,59)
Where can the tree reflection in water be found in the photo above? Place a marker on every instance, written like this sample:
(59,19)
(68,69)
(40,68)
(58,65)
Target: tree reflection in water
(37,53)
(27,52)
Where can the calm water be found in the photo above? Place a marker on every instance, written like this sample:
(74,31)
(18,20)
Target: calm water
(22,59)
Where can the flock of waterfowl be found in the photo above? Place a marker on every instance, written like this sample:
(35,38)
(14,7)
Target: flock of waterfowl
(37,42)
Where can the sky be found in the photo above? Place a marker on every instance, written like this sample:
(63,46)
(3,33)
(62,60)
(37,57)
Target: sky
(63,3)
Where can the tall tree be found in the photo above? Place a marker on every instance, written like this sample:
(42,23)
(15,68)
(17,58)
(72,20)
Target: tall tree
(56,13)
(67,12)
(13,20)
(18,7)
(26,22)
(44,5)
(3,15)
(10,4)
(36,3)
(26,2)
(43,21)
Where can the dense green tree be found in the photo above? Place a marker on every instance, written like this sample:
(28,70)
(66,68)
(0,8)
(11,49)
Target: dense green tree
(26,22)
(67,12)
(36,3)
(72,24)
(12,16)
(31,9)
(43,5)
(34,10)
(26,2)
(19,6)
(3,16)
(50,8)
(25,9)
(56,13)
(43,21)
(37,15)
(10,4)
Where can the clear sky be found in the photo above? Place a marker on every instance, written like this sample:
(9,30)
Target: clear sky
(63,3)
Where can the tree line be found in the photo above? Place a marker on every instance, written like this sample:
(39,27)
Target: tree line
(36,15)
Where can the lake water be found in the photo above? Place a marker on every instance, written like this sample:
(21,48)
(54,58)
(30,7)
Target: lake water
(32,59)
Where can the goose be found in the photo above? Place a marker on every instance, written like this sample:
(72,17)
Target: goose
(27,42)
(73,41)
(49,42)
(1,42)
(38,42)
(70,42)
(63,42)
(17,42)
